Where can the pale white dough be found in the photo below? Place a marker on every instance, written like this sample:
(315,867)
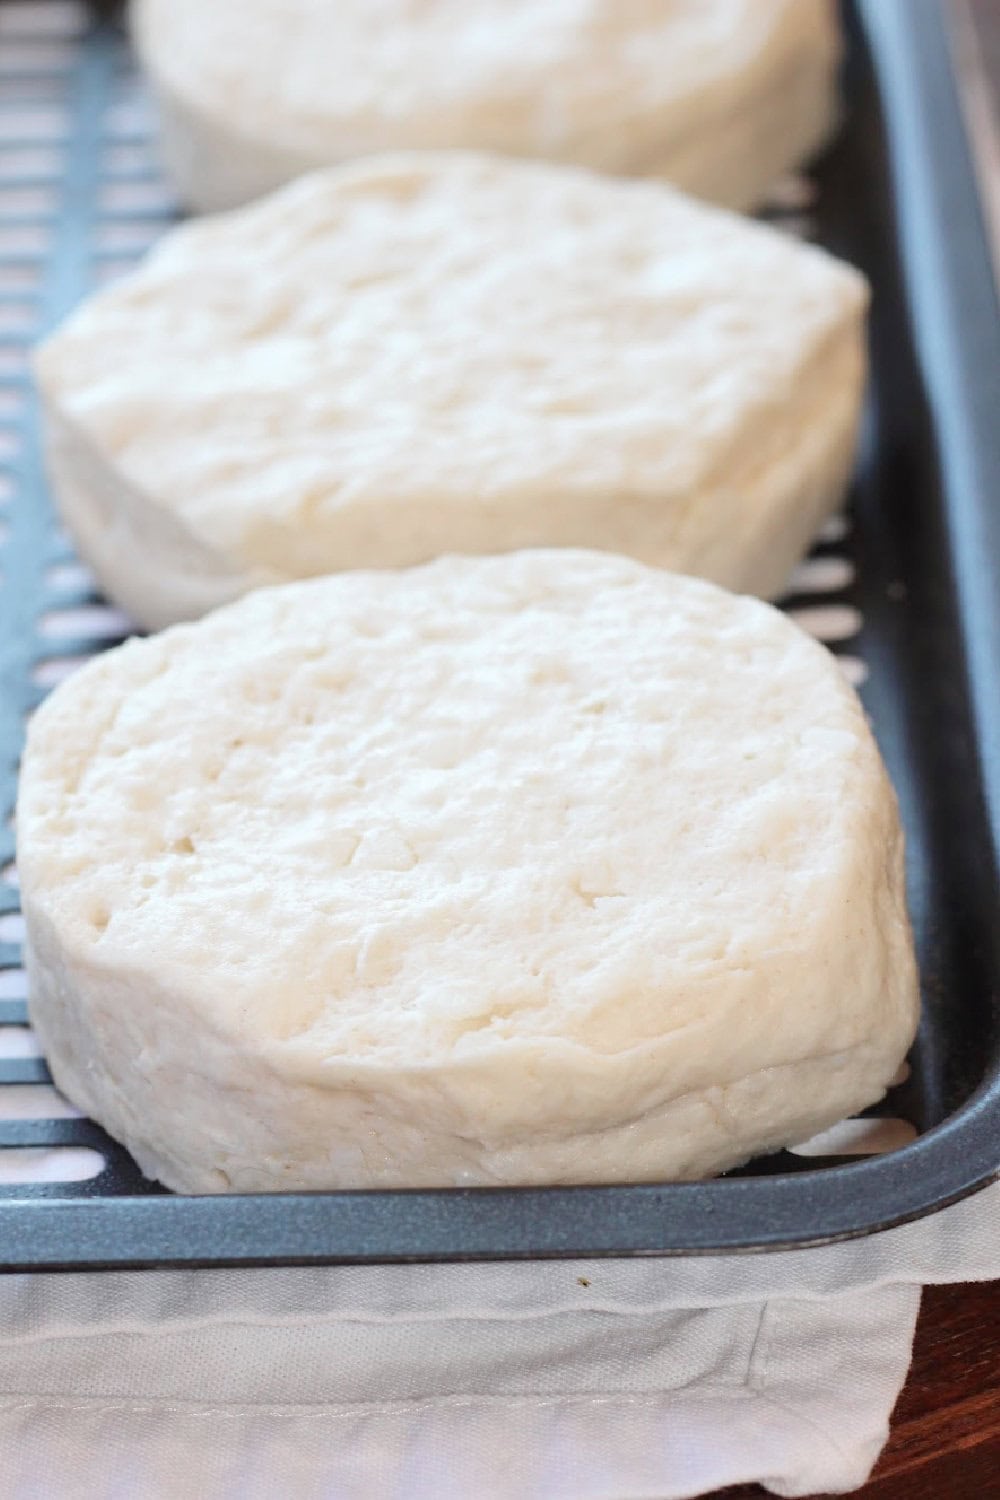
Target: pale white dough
(542,868)
(718,96)
(427,354)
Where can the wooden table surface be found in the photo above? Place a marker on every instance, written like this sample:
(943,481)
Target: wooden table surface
(944,1441)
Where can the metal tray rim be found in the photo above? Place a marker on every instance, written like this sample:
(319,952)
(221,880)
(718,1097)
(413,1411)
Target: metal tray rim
(668,1220)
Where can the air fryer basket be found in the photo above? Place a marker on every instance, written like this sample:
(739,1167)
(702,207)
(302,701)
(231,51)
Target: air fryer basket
(905,589)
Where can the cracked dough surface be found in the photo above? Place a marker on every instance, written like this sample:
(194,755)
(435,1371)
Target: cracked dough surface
(719,96)
(429,354)
(545,867)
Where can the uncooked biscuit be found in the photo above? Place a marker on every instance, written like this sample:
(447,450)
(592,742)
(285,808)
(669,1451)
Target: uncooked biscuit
(718,96)
(427,354)
(542,868)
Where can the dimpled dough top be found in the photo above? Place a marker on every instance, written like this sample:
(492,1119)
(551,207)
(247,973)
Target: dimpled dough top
(719,96)
(432,354)
(548,867)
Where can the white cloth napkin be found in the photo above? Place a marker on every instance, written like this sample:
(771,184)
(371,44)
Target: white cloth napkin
(583,1380)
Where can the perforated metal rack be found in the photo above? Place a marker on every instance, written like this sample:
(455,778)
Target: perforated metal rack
(80,200)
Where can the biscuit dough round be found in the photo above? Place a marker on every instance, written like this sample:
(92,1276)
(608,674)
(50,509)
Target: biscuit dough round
(457,353)
(718,96)
(541,868)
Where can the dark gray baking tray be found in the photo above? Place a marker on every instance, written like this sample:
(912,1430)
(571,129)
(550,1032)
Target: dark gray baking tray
(914,596)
